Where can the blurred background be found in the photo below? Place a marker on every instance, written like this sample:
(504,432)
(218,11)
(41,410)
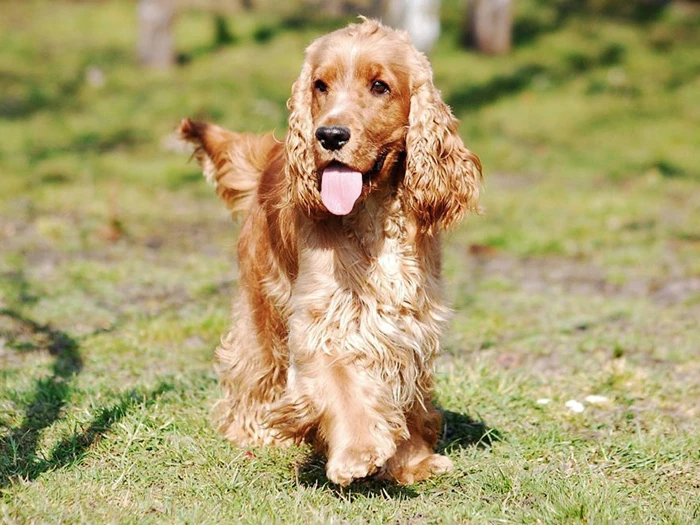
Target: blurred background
(577,90)
(585,114)
(582,277)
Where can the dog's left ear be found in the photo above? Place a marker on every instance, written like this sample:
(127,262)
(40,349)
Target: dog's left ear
(442,176)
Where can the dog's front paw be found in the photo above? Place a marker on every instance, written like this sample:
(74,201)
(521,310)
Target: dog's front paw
(352,463)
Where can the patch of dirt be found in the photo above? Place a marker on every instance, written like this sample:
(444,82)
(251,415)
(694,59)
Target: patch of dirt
(538,275)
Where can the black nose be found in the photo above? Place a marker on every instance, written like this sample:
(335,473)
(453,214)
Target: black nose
(333,137)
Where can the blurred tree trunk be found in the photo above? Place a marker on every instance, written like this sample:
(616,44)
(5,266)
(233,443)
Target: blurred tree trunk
(155,45)
(490,25)
(421,18)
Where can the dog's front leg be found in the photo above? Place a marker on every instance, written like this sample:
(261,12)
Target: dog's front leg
(359,424)
(356,424)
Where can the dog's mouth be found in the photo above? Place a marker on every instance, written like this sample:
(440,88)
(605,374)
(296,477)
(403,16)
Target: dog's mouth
(375,169)
(342,185)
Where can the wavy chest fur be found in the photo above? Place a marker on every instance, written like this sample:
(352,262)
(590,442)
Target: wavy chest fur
(368,291)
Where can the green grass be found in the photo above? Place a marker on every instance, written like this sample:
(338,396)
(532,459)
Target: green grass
(583,277)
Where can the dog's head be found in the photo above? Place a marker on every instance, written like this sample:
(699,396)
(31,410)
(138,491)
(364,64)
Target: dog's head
(365,114)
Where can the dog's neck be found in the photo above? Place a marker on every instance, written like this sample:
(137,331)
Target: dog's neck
(379,217)
(378,220)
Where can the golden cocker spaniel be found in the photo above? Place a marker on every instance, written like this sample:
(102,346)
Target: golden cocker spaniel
(339,312)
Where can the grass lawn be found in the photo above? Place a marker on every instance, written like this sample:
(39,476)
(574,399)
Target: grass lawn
(582,278)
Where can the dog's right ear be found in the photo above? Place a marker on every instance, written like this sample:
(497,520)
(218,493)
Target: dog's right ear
(301,166)
(232,162)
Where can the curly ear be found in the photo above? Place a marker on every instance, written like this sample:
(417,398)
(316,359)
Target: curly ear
(300,164)
(442,176)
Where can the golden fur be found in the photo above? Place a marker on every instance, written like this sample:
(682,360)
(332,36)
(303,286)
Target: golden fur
(338,317)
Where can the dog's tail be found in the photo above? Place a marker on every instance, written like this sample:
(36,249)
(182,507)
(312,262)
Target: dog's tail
(232,162)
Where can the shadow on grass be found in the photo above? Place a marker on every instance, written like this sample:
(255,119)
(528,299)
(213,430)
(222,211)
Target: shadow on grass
(529,26)
(39,97)
(222,37)
(24,95)
(305,19)
(474,97)
(463,431)
(18,447)
(90,142)
(312,473)
(18,457)
(460,431)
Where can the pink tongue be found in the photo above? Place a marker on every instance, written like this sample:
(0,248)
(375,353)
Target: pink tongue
(340,188)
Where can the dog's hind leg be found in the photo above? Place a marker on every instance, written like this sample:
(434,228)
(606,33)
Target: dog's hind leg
(253,377)
(415,459)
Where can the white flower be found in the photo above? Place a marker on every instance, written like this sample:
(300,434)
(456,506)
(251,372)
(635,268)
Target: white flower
(597,400)
(543,401)
(574,406)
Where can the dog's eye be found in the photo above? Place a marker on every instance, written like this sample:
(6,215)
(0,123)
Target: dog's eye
(320,86)
(379,88)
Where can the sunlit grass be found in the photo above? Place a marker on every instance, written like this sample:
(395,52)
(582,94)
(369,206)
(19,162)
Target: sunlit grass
(582,278)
